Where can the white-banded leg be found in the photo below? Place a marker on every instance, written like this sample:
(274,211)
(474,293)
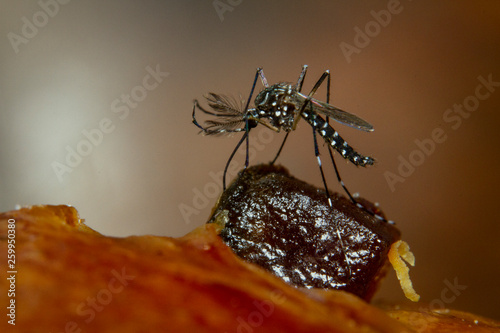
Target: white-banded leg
(337,230)
(313,123)
(339,179)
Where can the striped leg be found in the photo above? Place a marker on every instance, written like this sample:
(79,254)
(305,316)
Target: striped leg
(330,152)
(368,161)
(311,118)
(316,153)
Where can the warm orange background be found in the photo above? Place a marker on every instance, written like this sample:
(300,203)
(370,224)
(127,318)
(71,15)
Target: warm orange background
(67,75)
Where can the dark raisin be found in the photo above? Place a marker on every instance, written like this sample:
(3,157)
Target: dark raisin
(287,227)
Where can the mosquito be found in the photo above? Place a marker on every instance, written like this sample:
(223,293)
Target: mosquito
(280,107)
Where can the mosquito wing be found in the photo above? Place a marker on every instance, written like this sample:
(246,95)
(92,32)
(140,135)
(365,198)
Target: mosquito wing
(229,112)
(337,114)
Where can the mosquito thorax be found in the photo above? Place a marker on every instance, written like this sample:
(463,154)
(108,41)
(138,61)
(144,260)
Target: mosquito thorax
(277,103)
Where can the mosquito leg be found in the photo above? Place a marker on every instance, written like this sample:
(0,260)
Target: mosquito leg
(328,85)
(262,77)
(279,150)
(194,117)
(300,81)
(298,87)
(326,75)
(311,94)
(335,164)
(316,153)
(247,132)
(353,200)
(197,105)
(340,179)
(243,138)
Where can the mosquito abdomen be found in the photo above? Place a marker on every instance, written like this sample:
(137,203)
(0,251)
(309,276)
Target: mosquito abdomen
(333,138)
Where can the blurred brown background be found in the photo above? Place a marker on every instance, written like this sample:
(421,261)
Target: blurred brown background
(67,69)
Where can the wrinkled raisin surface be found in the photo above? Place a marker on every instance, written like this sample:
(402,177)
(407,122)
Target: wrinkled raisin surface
(287,227)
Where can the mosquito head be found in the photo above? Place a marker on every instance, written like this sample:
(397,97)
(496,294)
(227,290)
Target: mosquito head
(278,104)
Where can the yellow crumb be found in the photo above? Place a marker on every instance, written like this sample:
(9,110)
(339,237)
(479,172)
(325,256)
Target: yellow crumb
(401,250)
